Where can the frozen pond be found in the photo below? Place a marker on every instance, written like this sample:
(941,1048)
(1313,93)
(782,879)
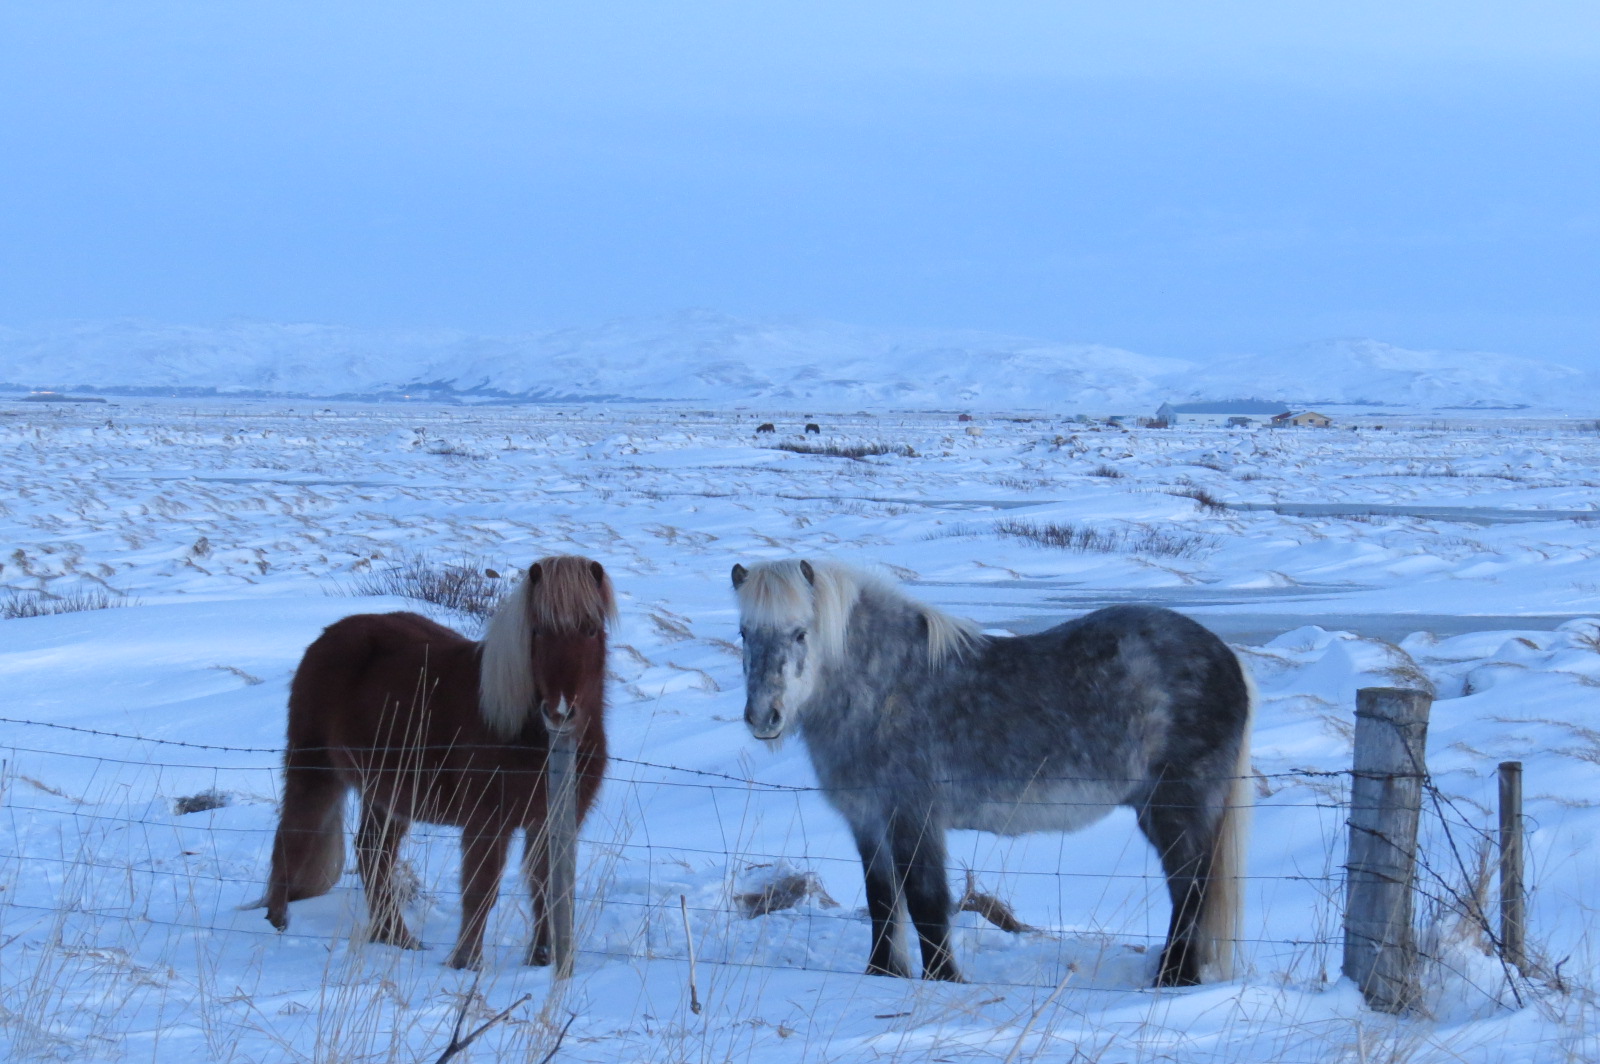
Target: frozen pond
(1472,515)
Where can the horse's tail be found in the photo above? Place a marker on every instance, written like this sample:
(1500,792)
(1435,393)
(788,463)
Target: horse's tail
(1222,911)
(308,851)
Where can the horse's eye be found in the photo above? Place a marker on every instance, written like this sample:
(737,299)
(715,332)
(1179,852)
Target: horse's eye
(743,634)
(800,637)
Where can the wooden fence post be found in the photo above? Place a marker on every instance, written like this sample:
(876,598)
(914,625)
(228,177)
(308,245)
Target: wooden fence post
(1513,917)
(1380,947)
(561,836)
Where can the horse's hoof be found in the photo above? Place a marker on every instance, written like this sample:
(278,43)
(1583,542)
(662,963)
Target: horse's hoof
(1170,979)
(465,962)
(402,938)
(278,920)
(539,956)
(947,974)
(878,969)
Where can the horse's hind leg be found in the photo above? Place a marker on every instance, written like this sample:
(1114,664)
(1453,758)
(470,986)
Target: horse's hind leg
(1178,823)
(883,904)
(308,848)
(919,854)
(377,850)
(483,859)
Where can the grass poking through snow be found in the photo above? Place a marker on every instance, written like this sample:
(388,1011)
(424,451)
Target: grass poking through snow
(1088,539)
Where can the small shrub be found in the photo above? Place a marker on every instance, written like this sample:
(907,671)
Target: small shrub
(1109,471)
(445,449)
(463,586)
(846,450)
(43,604)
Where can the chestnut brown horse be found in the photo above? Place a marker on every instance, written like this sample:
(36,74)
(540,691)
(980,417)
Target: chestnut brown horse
(427,725)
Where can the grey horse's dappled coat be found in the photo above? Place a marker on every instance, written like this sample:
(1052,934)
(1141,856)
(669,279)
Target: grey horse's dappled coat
(917,723)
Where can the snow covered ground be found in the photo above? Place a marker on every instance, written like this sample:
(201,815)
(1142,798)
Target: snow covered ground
(1456,554)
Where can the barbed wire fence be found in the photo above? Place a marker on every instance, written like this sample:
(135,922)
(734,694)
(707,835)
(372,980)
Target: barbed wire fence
(105,861)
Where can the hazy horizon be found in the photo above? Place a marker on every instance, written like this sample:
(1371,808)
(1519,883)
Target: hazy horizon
(1177,182)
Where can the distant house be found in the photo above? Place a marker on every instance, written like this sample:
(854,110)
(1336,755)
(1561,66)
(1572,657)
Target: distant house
(1304,419)
(1235,413)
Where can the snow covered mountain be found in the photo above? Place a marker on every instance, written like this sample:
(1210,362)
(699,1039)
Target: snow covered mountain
(1371,373)
(705,357)
(694,355)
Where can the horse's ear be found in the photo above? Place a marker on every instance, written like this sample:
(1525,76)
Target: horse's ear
(809,573)
(739,573)
(599,572)
(534,573)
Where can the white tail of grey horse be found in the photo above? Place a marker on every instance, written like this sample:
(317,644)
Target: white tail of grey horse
(1219,922)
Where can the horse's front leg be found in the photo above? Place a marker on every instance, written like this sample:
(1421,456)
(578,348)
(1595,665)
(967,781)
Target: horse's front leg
(483,859)
(536,870)
(377,850)
(919,854)
(883,904)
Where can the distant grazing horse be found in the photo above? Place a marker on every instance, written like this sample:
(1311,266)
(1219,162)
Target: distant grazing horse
(813,428)
(766,426)
(917,723)
(427,725)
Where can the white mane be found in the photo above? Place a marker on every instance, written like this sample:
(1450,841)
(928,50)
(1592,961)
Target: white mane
(568,595)
(778,593)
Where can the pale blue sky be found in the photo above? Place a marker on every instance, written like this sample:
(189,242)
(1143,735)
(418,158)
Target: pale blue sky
(1179,178)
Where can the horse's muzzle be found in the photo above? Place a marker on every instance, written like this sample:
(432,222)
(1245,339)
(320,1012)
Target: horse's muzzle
(764,726)
(557,717)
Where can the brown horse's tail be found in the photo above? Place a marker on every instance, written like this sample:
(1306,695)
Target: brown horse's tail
(308,850)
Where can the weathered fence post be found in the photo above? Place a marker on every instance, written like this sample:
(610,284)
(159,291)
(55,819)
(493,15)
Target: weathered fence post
(1380,946)
(1513,918)
(561,836)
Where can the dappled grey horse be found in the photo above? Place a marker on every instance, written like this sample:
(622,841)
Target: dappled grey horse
(917,723)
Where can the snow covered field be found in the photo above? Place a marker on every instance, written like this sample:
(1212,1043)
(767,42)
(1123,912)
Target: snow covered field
(227,533)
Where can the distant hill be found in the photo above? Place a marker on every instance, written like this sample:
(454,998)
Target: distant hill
(1369,372)
(709,358)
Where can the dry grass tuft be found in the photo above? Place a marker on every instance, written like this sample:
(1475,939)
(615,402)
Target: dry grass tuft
(783,891)
(1207,501)
(199,803)
(44,604)
(1087,539)
(847,450)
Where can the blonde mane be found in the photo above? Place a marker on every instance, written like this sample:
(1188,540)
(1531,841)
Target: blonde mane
(778,593)
(566,597)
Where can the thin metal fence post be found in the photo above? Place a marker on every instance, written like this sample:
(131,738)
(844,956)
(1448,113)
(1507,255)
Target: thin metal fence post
(1513,912)
(1380,946)
(561,836)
